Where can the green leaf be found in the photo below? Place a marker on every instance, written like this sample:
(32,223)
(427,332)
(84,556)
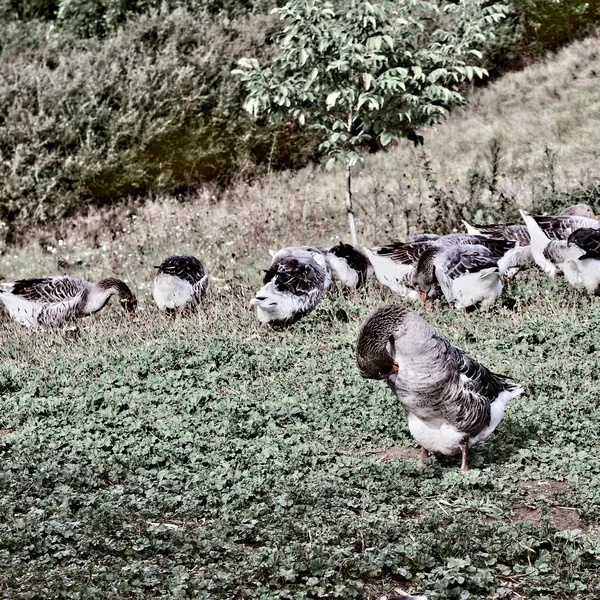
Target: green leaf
(330,163)
(385,138)
(332,99)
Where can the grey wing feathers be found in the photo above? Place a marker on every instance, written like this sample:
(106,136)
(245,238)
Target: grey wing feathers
(404,252)
(509,231)
(468,259)
(559,228)
(498,247)
(49,290)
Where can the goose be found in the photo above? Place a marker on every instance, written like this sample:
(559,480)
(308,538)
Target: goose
(519,233)
(348,265)
(452,401)
(467,275)
(293,286)
(394,264)
(53,301)
(586,242)
(180,282)
(543,230)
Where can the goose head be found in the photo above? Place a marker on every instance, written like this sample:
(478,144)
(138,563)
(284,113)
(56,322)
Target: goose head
(423,277)
(579,210)
(119,288)
(375,343)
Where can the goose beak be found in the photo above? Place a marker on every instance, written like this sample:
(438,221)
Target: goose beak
(394,370)
(422,296)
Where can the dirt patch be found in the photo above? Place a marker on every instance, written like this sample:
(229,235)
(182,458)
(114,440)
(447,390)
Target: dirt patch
(6,431)
(563,517)
(544,488)
(395,453)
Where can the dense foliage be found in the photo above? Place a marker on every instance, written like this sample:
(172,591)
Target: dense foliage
(102,101)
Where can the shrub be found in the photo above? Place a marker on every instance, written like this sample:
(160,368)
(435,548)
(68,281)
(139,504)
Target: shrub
(152,109)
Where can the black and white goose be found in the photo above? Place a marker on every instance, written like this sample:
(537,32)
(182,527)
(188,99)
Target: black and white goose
(348,265)
(180,282)
(452,401)
(53,301)
(394,264)
(546,229)
(293,286)
(468,275)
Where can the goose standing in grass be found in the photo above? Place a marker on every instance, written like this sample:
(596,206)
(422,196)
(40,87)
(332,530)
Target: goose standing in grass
(348,265)
(543,230)
(54,301)
(452,401)
(519,233)
(293,286)
(180,282)
(467,275)
(394,264)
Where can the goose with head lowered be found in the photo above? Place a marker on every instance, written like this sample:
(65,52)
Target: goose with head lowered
(293,285)
(452,401)
(180,282)
(394,264)
(467,275)
(53,301)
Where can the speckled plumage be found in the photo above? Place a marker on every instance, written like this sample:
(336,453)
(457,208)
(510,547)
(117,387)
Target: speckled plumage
(53,301)
(293,285)
(452,401)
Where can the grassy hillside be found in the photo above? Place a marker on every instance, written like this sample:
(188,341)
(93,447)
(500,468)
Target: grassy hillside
(208,457)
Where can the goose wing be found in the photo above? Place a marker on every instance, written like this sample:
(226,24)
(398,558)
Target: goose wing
(49,290)
(498,247)
(515,232)
(470,396)
(295,276)
(465,259)
(559,228)
(588,240)
(353,257)
(407,253)
(187,268)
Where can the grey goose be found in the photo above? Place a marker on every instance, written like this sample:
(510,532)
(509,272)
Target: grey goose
(452,401)
(53,301)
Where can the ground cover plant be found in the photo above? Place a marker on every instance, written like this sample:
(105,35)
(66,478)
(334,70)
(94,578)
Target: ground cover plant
(209,457)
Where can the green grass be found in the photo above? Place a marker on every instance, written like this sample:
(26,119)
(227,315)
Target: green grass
(210,457)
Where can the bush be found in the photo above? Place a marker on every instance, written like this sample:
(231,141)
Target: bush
(152,109)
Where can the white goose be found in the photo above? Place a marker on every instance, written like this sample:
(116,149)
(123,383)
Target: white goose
(545,229)
(394,264)
(180,282)
(452,401)
(53,301)
(293,285)
(468,275)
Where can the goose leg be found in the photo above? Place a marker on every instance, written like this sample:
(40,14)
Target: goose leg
(422,457)
(464,446)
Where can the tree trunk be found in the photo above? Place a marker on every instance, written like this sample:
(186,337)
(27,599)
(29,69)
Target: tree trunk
(349,209)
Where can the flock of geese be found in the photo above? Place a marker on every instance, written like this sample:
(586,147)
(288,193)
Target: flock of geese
(451,400)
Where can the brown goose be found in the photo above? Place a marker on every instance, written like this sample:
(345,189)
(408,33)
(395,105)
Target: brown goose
(452,401)
(53,301)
